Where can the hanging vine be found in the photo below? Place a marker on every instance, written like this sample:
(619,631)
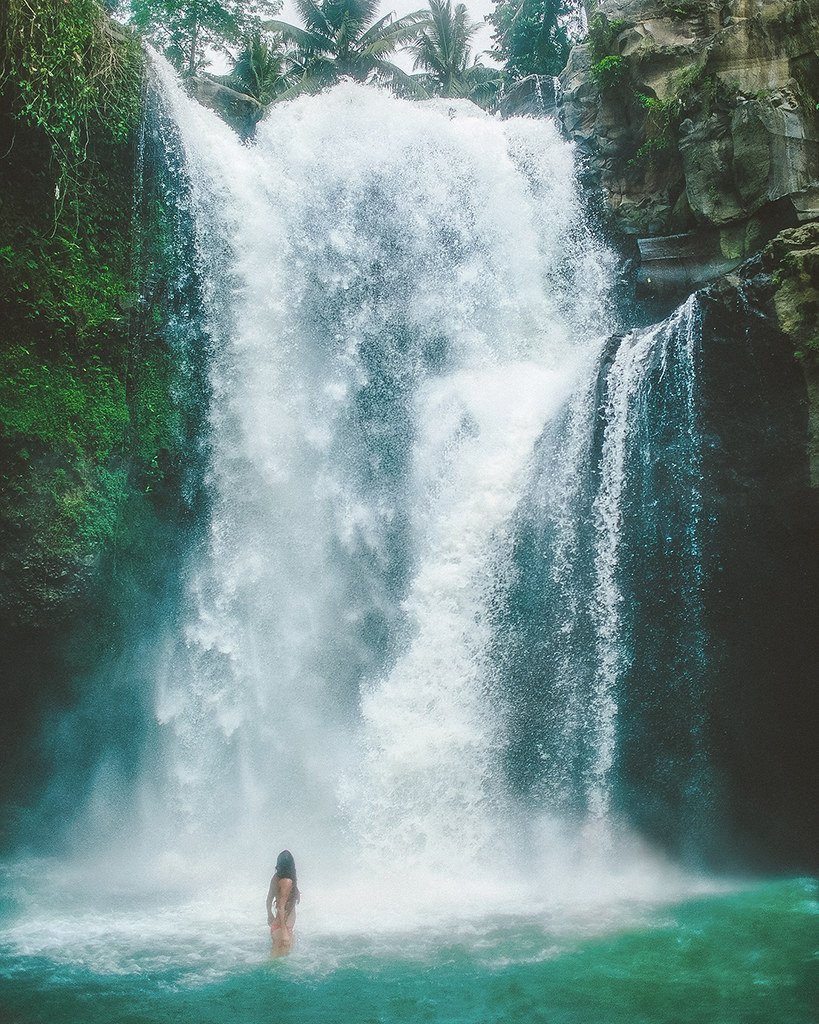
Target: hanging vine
(70,72)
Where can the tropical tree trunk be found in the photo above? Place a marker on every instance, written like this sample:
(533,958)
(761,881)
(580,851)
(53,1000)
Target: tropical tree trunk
(194,45)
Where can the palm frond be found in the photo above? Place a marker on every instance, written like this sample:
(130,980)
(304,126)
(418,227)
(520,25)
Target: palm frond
(373,31)
(313,16)
(409,86)
(390,22)
(444,47)
(318,76)
(404,30)
(302,38)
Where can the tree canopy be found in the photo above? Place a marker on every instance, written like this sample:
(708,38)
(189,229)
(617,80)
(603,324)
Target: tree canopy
(274,59)
(186,30)
(442,50)
(346,38)
(532,36)
(265,68)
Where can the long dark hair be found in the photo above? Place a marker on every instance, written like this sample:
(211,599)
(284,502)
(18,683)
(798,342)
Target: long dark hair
(286,868)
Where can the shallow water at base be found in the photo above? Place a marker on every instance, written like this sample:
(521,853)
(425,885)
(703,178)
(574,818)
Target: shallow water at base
(729,957)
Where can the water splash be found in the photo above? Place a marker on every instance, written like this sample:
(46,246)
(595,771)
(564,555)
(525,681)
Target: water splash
(407,634)
(397,297)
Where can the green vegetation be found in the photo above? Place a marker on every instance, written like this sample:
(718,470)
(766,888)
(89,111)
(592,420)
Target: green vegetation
(693,92)
(346,38)
(660,126)
(75,410)
(532,36)
(186,30)
(609,71)
(264,69)
(350,39)
(73,76)
(85,395)
(698,91)
(602,34)
(443,51)
(686,78)
(60,278)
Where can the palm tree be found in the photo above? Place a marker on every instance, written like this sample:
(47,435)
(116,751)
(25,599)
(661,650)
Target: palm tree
(263,69)
(443,49)
(341,39)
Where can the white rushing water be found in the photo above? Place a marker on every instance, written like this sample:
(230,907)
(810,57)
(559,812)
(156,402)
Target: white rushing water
(401,305)
(624,383)
(399,297)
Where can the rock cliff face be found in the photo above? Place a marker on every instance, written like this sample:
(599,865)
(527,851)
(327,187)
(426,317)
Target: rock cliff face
(240,111)
(698,121)
(792,261)
(762,596)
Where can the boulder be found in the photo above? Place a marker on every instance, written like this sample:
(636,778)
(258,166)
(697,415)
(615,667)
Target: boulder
(240,111)
(710,127)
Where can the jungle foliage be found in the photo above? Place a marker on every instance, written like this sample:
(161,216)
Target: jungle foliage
(345,38)
(186,30)
(532,37)
(71,73)
(87,417)
(274,59)
(264,68)
(443,51)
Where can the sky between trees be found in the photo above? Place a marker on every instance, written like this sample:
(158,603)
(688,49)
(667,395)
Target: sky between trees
(478,10)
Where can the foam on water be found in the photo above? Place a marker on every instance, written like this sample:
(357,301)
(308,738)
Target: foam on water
(219,931)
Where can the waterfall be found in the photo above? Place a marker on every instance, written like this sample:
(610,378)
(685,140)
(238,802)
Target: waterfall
(628,382)
(610,554)
(407,614)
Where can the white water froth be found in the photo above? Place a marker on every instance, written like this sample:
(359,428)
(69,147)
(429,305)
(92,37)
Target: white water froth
(69,922)
(398,297)
(625,380)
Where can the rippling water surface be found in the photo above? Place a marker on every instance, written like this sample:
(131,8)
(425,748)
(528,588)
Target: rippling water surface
(733,956)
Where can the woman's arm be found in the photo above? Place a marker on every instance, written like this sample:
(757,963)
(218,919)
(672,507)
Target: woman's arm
(271,892)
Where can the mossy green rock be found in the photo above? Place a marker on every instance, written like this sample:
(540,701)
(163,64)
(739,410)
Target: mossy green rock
(86,415)
(738,86)
(793,259)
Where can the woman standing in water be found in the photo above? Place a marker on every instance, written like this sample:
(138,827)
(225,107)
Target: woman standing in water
(285,893)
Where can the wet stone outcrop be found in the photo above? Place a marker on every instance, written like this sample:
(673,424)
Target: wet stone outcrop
(240,111)
(791,260)
(697,121)
(761,544)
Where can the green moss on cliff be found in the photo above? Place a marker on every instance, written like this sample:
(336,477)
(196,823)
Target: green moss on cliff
(76,410)
(88,426)
(793,259)
(74,75)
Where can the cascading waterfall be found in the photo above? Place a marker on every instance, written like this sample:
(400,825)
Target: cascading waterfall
(404,314)
(494,611)
(610,556)
(629,378)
